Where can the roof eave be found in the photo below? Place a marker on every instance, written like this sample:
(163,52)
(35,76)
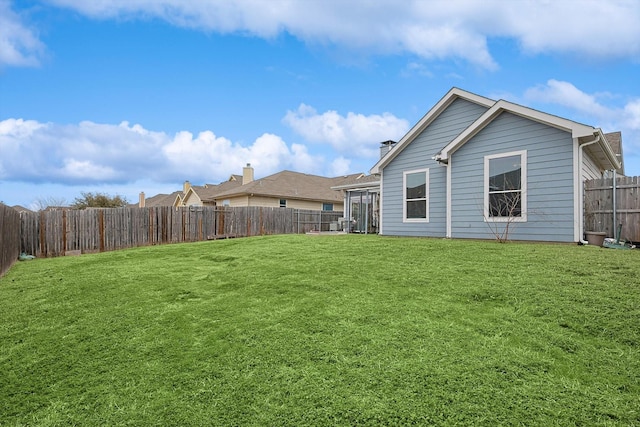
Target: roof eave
(370,184)
(431,115)
(577,130)
(610,156)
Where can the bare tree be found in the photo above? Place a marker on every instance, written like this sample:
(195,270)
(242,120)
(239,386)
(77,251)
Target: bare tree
(42,203)
(506,206)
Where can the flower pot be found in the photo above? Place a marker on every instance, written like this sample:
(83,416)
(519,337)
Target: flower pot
(595,238)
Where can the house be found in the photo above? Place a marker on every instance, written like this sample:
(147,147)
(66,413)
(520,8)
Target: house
(191,195)
(21,209)
(473,166)
(157,200)
(286,189)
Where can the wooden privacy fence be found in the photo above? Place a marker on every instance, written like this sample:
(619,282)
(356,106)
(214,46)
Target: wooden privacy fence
(9,237)
(64,232)
(601,202)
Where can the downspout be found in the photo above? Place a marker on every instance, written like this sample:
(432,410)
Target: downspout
(580,160)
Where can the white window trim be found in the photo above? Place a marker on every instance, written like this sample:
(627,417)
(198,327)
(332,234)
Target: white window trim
(523,185)
(404,195)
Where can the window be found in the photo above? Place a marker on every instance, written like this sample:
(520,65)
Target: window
(505,186)
(416,199)
(283,203)
(327,206)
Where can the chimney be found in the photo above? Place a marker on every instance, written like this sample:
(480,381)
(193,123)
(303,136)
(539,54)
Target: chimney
(141,200)
(186,187)
(247,174)
(385,147)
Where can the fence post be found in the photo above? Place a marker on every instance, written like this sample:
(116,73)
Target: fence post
(43,228)
(64,232)
(101,229)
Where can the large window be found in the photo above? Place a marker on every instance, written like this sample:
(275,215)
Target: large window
(416,196)
(505,186)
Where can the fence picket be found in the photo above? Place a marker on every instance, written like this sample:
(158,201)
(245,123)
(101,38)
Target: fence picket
(598,206)
(54,233)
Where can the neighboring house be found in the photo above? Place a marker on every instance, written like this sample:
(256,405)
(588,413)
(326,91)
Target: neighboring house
(472,165)
(157,200)
(21,209)
(194,195)
(191,195)
(286,189)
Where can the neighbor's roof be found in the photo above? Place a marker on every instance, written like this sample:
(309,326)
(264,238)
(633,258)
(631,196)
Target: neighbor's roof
(160,200)
(292,185)
(615,141)
(204,192)
(210,191)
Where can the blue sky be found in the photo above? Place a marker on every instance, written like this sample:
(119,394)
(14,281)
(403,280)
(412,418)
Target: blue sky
(124,96)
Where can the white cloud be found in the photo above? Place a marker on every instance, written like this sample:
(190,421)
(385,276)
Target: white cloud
(593,28)
(80,169)
(90,153)
(355,134)
(340,166)
(632,115)
(432,30)
(594,110)
(19,45)
(19,128)
(567,95)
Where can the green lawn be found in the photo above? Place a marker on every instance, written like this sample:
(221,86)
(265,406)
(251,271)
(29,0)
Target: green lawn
(324,330)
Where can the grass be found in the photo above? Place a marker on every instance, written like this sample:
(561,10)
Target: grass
(324,330)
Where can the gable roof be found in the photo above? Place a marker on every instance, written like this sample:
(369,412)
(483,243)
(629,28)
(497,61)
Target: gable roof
(209,191)
(427,119)
(291,185)
(599,148)
(605,155)
(160,200)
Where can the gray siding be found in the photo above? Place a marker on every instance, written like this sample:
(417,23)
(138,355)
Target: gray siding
(589,168)
(550,198)
(418,155)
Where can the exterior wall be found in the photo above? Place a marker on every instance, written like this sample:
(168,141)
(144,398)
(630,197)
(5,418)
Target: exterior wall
(309,204)
(302,204)
(550,182)
(275,203)
(418,155)
(270,202)
(192,200)
(589,168)
(235,202)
